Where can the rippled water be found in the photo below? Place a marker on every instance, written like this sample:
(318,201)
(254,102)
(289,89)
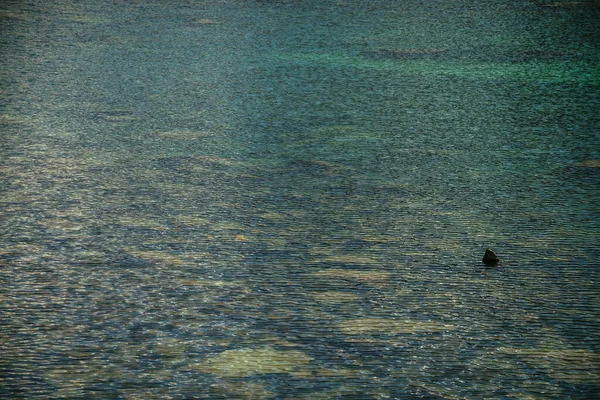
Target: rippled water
(291,199)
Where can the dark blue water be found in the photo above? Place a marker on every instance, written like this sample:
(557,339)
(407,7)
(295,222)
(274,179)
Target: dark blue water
(291,199)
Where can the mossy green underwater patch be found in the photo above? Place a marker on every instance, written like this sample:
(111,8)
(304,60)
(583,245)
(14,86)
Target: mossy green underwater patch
(252,361)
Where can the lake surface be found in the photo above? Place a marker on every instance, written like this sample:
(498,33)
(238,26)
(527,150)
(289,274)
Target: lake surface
(290,199)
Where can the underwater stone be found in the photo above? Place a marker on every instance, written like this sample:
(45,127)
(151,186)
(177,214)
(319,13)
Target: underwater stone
(585,171)
(370,326)
(252,361)
(588,164)
(369,276)
(490,258)
(333,297)
(575,366)
(206,21)
(403,54)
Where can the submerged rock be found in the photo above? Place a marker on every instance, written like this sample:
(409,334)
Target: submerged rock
(587,171)
(490,258)
(405,54)
(353,259)
(369,326)
(576,366)
(588,164)
(572,4)
(333,297)
(252,361)
(334,275)
(206,21)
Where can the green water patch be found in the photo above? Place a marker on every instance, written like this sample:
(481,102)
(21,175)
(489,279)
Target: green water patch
(532,71)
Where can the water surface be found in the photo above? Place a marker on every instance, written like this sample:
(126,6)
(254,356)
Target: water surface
(291,199)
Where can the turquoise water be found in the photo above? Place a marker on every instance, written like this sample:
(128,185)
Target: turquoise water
(291,199)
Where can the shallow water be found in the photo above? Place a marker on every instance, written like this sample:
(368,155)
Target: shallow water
(291,199)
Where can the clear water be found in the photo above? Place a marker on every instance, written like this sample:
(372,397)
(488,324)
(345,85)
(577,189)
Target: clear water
(291,199)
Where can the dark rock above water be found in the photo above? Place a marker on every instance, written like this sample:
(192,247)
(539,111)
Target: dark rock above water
(490,258)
